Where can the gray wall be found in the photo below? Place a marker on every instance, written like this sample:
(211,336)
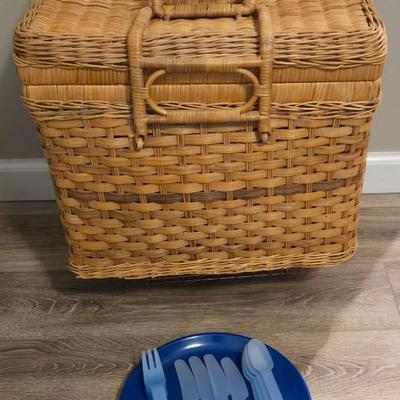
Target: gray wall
(17,134)
(386,135)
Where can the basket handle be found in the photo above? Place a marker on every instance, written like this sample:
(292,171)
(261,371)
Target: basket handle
(169,9)
(203,114)
(242,109)
(140,89)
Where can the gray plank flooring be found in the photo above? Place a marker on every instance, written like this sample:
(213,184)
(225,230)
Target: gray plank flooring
(62,338)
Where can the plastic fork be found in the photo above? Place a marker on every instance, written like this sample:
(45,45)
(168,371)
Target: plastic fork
(153,375)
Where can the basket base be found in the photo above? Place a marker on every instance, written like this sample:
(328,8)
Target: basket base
(206,268)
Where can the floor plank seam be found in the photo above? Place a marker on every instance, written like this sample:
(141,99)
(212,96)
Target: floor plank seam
(392,289)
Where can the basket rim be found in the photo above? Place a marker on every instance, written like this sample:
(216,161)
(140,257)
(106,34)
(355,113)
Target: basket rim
(225,267)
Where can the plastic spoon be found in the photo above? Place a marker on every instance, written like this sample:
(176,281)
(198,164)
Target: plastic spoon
(261,361)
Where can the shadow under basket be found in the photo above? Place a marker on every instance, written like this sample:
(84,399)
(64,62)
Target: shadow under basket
(220,138)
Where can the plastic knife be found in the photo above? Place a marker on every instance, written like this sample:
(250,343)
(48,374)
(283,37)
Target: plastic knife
(217,377)
(186,381)
(236,383)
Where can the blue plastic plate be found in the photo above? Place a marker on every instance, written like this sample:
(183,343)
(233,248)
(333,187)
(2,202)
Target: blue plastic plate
(221,345)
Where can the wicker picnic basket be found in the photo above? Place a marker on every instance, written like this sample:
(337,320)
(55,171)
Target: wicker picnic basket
(200,137)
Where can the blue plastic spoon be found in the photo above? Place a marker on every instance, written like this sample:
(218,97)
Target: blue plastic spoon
(257,386)
(260,361)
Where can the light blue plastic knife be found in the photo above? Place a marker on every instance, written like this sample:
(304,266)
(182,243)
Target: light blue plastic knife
(186,381)
(202,378)
(236,383)
(218,379)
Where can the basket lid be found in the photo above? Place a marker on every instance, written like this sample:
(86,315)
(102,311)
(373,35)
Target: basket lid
(85,41)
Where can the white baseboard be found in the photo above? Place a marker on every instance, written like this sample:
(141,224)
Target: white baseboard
(28,179)
(383,173)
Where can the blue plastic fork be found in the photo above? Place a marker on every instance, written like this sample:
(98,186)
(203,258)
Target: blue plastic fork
(153,375)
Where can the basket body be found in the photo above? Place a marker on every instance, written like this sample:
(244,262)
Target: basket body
(181,145)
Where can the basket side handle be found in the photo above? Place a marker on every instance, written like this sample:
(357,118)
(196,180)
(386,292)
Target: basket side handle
(138,88)
(266,72)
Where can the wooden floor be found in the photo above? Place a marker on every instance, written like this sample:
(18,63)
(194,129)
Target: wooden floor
(61,338)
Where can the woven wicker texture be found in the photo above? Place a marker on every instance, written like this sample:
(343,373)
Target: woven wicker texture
(207,192)
(202,163)
(79,34)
